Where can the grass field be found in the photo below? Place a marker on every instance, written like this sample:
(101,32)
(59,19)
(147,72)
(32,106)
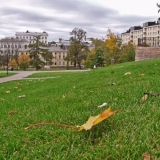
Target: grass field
(70,98)
(3,74)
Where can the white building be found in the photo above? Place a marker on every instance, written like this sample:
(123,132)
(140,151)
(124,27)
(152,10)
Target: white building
(10,45)
(148,34)
(29,36)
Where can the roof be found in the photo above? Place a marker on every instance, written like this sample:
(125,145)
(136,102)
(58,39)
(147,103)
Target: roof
(31,33)
(11,39)
(57,49)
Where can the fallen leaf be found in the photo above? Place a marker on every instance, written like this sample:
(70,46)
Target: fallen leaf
(141,74)
(102,105)
(11,112)
(22,96)
(146,156)
(144,98)
(7,91)
(18,84)
(127,73)
(93,120)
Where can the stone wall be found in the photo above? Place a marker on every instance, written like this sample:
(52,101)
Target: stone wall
(143,53)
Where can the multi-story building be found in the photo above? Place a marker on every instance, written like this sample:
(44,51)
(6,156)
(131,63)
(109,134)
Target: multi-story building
(11,46)
(30,36)
(148,34)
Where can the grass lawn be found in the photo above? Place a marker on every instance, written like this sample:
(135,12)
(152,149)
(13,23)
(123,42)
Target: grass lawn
(3,74)
(70,99)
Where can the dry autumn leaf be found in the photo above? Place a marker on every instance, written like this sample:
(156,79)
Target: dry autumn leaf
(144,98)
(22,96)
(11,112)
(93,120)
(146,156)
(18,84)
(127,73)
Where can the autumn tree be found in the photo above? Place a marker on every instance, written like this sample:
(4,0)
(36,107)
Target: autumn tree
(24,61)
(78,50)
(38,50)
(113,46)
(13,63)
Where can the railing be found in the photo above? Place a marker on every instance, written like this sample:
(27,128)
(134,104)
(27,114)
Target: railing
(149,42)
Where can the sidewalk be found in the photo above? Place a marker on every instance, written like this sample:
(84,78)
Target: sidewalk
(22,74)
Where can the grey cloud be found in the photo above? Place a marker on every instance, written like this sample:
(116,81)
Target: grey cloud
(95,20)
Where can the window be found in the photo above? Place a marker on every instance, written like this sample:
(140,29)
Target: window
(63,63)
(59,63)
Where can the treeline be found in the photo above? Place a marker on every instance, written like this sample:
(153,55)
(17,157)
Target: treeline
(110,51)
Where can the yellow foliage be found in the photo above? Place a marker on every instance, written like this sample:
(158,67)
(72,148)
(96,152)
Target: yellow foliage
(111,42)
(13,63)
(23,58)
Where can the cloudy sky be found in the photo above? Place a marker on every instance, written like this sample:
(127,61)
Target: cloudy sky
(59,17)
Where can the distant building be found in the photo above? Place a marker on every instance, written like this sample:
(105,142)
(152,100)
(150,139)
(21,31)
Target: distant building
(148,34)
(10,45)
(29,36)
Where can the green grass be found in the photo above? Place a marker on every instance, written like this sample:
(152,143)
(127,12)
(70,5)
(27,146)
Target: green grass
(3,74)
(70,99)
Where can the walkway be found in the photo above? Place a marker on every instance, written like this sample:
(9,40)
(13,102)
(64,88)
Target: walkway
(22,74)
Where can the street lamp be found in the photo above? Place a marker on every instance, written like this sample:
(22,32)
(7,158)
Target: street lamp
(7,61)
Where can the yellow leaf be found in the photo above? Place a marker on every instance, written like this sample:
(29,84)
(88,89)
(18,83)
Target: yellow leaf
(93,120)
(144,98)
(7,91)
(104,115)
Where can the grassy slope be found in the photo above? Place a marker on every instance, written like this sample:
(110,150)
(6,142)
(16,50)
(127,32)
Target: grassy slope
(71,99)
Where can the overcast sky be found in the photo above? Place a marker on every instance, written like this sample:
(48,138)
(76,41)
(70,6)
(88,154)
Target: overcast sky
(59,17)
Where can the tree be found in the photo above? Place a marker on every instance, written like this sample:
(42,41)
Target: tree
(77,51)
(24,61)
(158,7)
(13,63)
(37,50)
(89,60)
(98,59)
(113,46)
(127,53)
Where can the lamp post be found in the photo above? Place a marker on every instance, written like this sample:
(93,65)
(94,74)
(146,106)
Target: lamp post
(7,61)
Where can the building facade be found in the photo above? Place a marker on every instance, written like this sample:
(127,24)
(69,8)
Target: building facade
(148,34)
(11,46)
(30,36)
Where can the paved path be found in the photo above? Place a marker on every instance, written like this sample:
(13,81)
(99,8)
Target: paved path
(22,74)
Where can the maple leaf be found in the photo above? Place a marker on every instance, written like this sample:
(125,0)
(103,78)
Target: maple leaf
(93,120)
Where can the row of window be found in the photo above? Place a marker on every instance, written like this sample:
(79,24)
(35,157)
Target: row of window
(10,46)
(29,37)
